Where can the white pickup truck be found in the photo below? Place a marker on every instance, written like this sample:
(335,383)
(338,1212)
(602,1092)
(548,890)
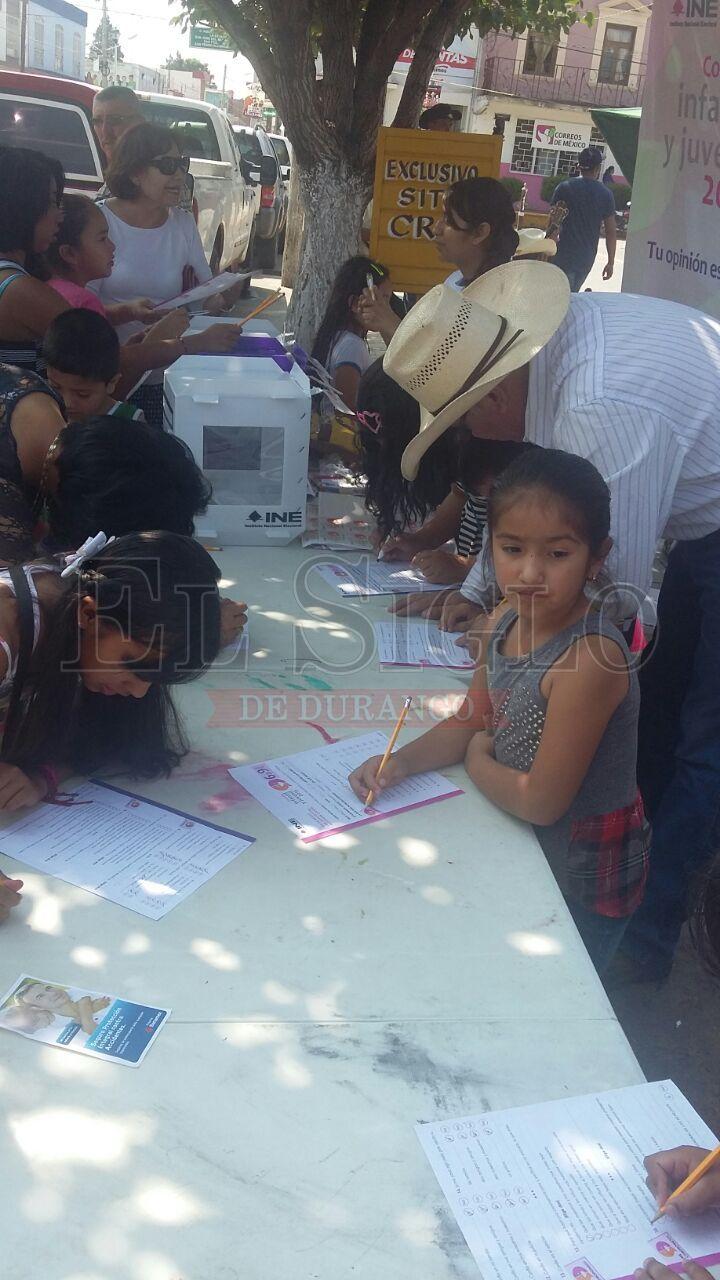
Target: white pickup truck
(225,195)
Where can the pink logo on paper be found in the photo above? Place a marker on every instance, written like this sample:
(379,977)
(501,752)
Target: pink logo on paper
(583,1270)
(669,1248)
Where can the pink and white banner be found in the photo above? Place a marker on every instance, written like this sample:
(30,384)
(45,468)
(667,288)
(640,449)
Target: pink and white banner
(673,248)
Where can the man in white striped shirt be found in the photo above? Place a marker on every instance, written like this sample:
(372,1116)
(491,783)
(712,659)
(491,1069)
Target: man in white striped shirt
(633,384)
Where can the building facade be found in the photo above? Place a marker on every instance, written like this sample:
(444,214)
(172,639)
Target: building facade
(539,92)
(55,35)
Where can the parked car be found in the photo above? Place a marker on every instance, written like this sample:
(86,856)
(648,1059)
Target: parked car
(53,115)
(224,190)
(284,153)
(257,150)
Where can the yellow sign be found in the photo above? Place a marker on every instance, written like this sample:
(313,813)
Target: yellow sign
(413,170)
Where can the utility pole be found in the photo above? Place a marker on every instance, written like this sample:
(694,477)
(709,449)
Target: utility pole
(104,63)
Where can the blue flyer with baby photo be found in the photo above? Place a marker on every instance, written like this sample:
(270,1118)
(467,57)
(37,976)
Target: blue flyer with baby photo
(88,1022)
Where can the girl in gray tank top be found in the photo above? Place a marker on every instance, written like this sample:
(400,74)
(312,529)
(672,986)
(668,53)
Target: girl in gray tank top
(549,729)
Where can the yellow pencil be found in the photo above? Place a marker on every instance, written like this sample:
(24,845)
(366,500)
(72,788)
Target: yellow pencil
(267,302)
(711,1158)
(390,745)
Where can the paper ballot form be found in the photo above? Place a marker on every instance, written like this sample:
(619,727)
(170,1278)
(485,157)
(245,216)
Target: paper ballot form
(557,1191)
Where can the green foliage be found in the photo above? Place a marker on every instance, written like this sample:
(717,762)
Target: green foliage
(177,62)
(514,186)
(622,195)
(112,41)
(547,189)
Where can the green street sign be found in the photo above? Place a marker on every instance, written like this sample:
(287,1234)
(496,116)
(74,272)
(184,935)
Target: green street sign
(203,36)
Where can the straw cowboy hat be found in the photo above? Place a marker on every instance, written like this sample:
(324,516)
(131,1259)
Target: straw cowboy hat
(534,240)
(453,347)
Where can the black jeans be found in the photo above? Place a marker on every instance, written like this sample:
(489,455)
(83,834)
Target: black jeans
(679,751)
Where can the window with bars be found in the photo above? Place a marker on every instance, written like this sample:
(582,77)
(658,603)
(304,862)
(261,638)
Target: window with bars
(77,55)
(545,161)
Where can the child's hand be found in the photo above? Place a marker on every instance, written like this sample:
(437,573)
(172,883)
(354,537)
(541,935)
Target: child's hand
(651,1269)
(364,779)
(9,895)
(401,546)
(667,1169)
(233,617)
(423,604)
(217,340)
(144,310)
(169,326)
(459,613)
(441,566)
(17,790)
(375,313)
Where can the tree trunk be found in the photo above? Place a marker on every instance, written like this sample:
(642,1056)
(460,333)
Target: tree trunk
(334,197)
(293,232)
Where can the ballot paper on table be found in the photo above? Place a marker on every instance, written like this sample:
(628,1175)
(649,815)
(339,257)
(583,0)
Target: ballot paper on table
(419,643)
(557,1191)
(378,578)
(139,854)
(309,792)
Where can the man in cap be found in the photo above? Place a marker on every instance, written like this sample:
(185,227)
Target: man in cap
(585,205)
(632,384)
(441,118)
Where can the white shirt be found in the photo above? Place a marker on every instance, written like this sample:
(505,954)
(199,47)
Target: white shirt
(632,384)
(348,348)
(149,261)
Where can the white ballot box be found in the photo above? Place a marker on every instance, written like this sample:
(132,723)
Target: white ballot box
(246,419)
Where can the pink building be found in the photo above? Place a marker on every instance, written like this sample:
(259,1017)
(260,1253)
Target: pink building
(540,92)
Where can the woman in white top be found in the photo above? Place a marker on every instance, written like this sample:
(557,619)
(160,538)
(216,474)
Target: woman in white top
(476,232)
(340,344)
(158,250)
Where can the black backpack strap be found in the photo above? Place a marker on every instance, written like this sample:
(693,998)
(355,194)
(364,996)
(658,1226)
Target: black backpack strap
(26,627)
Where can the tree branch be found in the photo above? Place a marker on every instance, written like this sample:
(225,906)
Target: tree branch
(439,27)
(244,32)
(339,22)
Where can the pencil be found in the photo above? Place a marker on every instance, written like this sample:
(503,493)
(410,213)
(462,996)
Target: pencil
(711,1158)
(370,285)
(267,302)
(390,745)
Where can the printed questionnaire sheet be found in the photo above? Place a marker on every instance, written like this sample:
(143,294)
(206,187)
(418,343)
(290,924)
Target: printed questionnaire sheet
(140,855)
(310,793)
(419,643)
(557,1191)
(377,578)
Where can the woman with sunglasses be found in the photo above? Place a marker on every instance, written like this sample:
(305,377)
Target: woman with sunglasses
(158,250)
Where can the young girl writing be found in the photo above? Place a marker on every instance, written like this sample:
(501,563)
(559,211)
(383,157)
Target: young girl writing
(93,655)
(548,731)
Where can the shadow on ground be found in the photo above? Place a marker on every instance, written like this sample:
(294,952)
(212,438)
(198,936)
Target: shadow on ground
(673,1030)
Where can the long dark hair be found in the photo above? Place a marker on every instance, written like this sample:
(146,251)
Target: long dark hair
(479,200)
(159,589)
(77,212)
(566,478)
(120,479)
(349,283)
(387,420)
(25,179)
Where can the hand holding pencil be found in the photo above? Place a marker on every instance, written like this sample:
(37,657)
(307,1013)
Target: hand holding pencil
(685,1180)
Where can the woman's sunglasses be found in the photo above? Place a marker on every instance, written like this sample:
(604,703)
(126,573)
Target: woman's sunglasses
(171,164)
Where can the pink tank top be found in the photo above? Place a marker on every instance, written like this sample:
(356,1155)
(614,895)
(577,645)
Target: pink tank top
(77,295)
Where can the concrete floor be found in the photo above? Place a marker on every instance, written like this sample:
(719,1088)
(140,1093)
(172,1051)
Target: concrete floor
(672,1027)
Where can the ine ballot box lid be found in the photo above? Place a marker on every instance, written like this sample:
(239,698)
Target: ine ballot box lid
(247,421)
